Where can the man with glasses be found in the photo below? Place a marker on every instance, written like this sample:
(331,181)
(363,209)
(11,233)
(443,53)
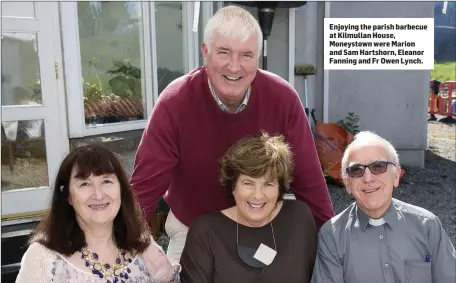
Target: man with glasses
(378,238)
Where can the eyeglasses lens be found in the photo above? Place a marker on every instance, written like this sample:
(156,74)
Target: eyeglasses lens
(377,167)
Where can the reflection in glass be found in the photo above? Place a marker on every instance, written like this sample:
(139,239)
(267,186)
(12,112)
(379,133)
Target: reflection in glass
(444,31)
(111,59)
(23,159)
(201,27)
(170,42)
(20,69)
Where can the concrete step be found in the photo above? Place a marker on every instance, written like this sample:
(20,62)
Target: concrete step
(10,272)
(14,245)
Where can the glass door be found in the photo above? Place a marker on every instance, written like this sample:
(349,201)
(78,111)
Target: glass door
(33,124)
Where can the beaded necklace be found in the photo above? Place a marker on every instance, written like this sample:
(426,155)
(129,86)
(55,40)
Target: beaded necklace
(116,273)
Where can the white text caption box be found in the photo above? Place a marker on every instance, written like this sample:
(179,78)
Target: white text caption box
(379,44)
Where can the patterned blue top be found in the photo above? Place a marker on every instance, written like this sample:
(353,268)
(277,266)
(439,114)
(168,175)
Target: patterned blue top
(41,265)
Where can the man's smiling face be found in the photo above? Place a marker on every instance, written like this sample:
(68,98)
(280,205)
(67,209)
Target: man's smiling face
(373,193)
(231,66)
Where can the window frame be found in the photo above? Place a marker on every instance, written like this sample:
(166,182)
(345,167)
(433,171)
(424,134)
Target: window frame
(72,66)
(20,204)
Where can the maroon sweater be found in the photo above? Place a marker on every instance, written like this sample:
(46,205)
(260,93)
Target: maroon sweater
(187,133)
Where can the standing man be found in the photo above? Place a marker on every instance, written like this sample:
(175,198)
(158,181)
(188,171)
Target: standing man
(200,115)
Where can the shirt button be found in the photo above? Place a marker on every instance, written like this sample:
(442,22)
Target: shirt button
(386,265)
(381,237)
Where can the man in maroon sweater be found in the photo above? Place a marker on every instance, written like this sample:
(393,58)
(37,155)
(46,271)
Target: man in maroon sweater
(198,116)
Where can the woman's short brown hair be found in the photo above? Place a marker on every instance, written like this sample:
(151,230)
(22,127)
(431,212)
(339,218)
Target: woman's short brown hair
(59,230)
(257,156)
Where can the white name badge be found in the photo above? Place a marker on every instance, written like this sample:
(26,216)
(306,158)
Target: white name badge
(265,254)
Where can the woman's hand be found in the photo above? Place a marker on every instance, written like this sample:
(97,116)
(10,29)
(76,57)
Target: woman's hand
(158,265)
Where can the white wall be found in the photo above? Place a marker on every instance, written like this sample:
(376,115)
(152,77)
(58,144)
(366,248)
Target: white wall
(391,103)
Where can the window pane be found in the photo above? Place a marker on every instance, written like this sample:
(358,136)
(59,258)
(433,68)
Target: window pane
(170,42)
(24,162)
(18,9)
(110,36)
(20,69)
(201,27)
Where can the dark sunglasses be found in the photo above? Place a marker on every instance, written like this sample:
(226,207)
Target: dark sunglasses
(376,167)
(247,254)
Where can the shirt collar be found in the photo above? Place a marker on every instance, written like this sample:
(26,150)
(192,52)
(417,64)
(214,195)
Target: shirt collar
(390,217)
(222,106)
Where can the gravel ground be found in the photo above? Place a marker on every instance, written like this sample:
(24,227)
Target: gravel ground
(432,187)
(27,172)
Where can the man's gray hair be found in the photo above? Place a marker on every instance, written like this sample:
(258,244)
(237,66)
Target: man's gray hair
(233,22)
(368,138)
